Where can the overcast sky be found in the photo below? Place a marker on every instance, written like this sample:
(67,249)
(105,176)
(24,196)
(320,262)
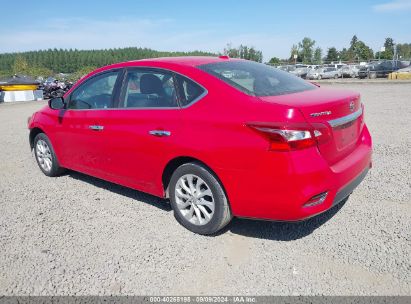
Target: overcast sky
(185,25)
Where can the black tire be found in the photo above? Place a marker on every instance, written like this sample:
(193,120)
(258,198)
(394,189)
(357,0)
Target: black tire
(319,77)
(222,213)
(373,75)
(336,76)
(55,169)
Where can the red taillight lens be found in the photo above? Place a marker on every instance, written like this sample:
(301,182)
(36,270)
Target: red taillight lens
(290,136)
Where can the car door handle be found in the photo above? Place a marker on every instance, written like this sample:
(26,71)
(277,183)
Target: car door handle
(159,133)
(96,128)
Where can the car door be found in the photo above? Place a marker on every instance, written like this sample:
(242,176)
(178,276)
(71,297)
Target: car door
(142,130)
(326,73)
(82,144)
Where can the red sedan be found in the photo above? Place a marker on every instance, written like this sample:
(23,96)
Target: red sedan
(219,137)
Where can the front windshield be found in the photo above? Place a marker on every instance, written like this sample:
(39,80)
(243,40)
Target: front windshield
(257,79)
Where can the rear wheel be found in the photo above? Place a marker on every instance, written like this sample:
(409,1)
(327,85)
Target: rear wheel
(373,75)
(319,77)
(198,199)
(336,76)
(45,156)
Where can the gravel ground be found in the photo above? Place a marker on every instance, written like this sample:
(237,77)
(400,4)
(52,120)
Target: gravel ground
(79,235)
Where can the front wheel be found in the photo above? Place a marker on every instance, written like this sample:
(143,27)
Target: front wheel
(198,199)
(45,156)
(372,75)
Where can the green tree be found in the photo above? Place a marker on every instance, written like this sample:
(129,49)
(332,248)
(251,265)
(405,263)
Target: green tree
(363,52)
(353,42)
(358,51)
(69,61)
(389,44)
(306,49)
(36,71)
(295,51)
(230,51)
(318,54)
(389,48)
(244,52)
(20,65)
(81,72)
(332,54)
(404,50)
(345,55)
(274,61)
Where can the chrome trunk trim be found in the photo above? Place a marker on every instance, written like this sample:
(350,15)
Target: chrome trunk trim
(345,119)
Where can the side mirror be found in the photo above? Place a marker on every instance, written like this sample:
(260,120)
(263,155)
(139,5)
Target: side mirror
(57,103)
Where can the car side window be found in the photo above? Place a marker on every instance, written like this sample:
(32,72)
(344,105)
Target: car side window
(148,89)
(387,65)
(189,91)
(95,93)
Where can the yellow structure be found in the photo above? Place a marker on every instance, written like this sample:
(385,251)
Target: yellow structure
(400,75)
(18,87)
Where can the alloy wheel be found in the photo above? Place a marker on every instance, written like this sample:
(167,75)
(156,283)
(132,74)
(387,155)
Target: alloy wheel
(43,154)
(194,199)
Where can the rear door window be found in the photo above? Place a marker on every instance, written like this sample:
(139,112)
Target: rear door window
(148,89)
(188,90)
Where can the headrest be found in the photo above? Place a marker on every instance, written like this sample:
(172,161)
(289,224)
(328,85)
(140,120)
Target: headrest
(150,84)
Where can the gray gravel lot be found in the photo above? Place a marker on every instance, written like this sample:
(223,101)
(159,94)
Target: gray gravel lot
(79,235)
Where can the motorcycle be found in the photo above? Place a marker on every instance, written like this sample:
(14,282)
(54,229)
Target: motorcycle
(55,88)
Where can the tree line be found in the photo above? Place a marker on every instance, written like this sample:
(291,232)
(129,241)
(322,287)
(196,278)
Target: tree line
(306,52)
(46,62)
(244,52)
(79,62)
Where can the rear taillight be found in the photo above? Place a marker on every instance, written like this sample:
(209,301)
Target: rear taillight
(291,136)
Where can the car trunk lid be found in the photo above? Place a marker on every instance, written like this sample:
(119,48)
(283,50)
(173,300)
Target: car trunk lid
(339,112)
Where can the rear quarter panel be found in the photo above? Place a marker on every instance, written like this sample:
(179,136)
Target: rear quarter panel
(215,132)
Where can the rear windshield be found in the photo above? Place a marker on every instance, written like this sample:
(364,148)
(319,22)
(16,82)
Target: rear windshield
(256,79)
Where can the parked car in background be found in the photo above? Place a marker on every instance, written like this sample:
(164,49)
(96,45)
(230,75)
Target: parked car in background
(329,72)
(350,71)
(324,73)
(300,71)
(313,73)
(381,69)
(335,65)
(287,68)
(267,145)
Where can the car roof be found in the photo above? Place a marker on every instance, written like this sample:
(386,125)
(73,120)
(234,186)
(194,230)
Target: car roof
(161,62)
(165,62)
(182,61)
(189,60)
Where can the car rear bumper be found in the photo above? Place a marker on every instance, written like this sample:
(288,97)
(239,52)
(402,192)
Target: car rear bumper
(281,192)
(348,189)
